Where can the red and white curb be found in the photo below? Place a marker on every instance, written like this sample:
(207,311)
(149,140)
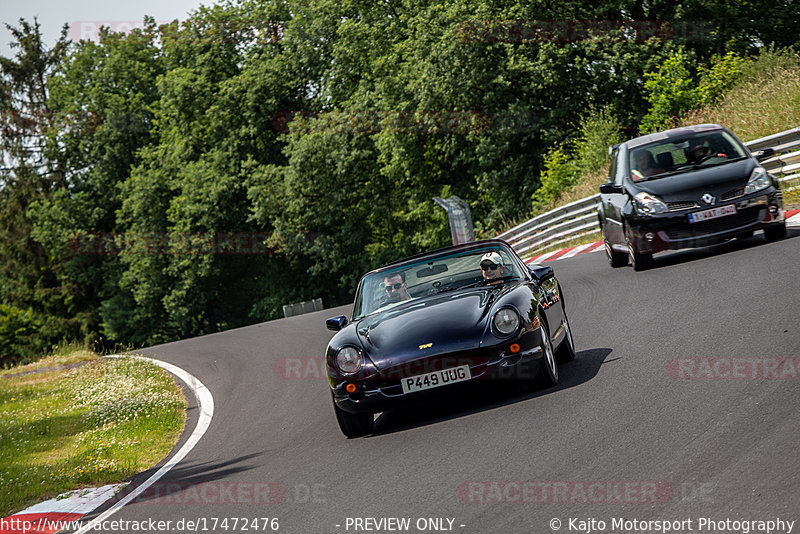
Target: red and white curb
(44,518)
(567,252)
(792,219)
(54,515)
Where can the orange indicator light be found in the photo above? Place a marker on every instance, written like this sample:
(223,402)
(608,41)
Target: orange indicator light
(514,348)
(351,388)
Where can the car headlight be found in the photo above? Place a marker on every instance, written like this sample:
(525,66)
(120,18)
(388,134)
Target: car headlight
(758,180)
(349,360)
(648,204)
(506,321)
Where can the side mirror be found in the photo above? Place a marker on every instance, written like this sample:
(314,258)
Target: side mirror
(336,323)
(541,273)
(611,188)
(767,153)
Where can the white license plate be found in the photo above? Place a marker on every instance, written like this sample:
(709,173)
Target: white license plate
(436,379)
(713,213)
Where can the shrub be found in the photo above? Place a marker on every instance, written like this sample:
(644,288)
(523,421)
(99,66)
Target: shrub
(19,335)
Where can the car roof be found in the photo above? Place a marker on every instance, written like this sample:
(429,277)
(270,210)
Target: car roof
(674,132)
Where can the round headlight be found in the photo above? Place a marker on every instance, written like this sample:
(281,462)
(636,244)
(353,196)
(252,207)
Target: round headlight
(349,360)
(506,321)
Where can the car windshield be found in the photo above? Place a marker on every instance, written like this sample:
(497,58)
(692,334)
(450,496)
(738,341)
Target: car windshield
(432,275)
(676,155)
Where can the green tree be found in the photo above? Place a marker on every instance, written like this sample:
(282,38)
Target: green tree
(30,171)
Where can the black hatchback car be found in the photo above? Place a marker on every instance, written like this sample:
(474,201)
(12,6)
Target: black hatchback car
(683,188)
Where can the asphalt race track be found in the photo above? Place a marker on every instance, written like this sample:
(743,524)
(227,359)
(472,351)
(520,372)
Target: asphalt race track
(633,431)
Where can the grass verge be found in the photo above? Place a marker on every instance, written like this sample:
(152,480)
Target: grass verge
(100,423)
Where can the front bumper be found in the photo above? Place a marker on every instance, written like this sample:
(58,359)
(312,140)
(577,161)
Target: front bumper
(673,231)
(494,363)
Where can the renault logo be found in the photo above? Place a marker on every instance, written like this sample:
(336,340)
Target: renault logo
(709,199)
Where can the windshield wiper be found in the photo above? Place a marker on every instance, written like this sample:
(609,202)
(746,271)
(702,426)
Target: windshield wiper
(491,281)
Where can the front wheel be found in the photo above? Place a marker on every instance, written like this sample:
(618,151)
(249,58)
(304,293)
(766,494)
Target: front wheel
(549,372)
(566,351)
(615,259)
(354,425)
(639,261)
(773,233)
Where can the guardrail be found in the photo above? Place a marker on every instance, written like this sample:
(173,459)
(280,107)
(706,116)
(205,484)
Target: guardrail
(578,219)
(572,221)
(299,308)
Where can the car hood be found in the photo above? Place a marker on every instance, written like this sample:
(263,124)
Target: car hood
(692,185)
(442,324)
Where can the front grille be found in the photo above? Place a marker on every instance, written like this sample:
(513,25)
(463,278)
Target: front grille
(731,222)
(736,193)
(679,206)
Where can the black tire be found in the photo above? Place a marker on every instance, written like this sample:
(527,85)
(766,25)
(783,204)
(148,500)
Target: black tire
(549,372)
(639,262)
(566,351)
(354,425)
(615,259)
(775,232)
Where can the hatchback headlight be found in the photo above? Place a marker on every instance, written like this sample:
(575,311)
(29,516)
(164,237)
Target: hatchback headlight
(758,181)
(506,321)
(647,204)
(349,360)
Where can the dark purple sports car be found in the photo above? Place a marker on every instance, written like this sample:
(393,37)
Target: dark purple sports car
(440,320)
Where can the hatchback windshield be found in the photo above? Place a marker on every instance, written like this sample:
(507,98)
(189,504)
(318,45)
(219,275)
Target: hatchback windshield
(676,155)
(432,275)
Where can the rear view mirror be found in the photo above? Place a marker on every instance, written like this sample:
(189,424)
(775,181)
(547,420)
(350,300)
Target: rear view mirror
(767,153)
(541,273)
(336,323)
(610,188)
(432,270)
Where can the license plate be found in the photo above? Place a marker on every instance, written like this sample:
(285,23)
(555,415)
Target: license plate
(436,379)
(713,213)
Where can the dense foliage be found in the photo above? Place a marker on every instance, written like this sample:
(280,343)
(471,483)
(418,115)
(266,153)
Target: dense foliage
(195,176)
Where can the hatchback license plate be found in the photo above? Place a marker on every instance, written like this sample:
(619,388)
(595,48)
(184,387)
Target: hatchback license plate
(436,379)
(713,213)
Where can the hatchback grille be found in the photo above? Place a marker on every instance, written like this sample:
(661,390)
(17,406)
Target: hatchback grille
(733,194)
(678,206)
(687,230)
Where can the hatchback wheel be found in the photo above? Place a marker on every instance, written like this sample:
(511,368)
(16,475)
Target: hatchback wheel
(640,262)
(615,259)
(773,233)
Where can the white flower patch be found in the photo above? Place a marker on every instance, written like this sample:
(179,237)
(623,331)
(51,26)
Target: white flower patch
(121,390)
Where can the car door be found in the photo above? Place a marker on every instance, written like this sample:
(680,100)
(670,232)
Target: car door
(614,202)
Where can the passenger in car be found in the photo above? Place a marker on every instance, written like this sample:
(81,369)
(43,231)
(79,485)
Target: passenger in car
(492,267)
(645,165)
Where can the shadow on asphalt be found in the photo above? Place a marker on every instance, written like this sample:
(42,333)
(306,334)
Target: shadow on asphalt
(669,259)
(488,396)
(186,484)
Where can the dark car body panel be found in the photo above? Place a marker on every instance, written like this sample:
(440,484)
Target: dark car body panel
(442,331)
(685,193)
